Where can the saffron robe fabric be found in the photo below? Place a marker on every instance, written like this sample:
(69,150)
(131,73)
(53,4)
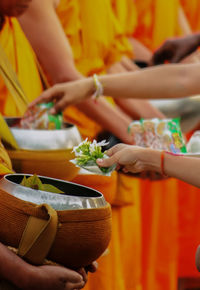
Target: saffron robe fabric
(23,60)
(97,42)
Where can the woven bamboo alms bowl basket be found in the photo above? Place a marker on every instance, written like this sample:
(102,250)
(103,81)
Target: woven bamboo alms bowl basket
(72,229)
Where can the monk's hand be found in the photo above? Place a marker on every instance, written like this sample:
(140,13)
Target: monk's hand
(128,158)
(174,50)
(92,268)
(66,94)
(124,65)
(54,277)
(128,64)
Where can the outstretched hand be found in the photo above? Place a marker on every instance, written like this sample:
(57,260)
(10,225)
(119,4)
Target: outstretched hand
(174,50)
(66,94)
(127,158)
(134,160)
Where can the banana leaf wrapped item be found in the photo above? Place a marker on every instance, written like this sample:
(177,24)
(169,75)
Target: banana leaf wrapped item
(86,155)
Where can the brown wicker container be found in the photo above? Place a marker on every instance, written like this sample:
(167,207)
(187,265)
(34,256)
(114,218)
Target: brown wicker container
(82,235)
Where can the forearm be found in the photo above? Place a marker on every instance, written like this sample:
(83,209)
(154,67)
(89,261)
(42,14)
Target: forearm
(13,268)
(139,109)
(172,81)
(180,167)
(45,33)
(109,117)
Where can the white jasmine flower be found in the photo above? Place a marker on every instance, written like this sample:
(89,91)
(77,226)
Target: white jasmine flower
(102,143)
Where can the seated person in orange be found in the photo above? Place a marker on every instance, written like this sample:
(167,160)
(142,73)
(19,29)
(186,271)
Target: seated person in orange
(12,267)
(59,64)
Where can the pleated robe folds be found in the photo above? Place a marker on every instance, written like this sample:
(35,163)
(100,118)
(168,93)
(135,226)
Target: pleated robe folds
(97,41)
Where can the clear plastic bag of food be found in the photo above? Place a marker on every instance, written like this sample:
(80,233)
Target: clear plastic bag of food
(38,117)
(158,134)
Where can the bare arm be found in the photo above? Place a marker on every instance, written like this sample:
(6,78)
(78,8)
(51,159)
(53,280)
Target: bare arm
(44,31)
(167,82)
(50,43)
(25,276)
(136,159)
(136,109)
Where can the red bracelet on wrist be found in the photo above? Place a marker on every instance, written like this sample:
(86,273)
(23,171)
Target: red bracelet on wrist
(162,159)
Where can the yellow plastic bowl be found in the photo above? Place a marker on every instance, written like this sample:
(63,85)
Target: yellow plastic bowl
(52,163)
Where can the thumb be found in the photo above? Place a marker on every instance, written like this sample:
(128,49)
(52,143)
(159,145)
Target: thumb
(107,162)
(73,276)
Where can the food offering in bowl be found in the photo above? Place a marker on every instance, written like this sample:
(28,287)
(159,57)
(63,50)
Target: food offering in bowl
(38,117)
(83,227)
(42,151)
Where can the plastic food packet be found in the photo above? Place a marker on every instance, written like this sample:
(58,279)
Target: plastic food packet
(159,134)
(86,155)
(136,130)
(39,118)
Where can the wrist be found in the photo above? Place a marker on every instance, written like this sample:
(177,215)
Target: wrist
(23,276)
(151,160)
(90,86)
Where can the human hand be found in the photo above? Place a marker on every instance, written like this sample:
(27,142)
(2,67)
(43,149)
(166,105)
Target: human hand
(66,94)
(128,64)
(132,159)
(124,65)
(92,268)
(54,277)
(175,49)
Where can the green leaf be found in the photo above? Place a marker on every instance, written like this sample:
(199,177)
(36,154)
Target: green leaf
(23,182)
(51,188)
(35,183)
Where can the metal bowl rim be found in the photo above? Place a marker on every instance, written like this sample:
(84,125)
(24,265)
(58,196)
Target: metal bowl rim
(60,180)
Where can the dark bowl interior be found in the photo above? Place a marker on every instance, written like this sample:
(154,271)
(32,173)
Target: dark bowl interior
(68,188)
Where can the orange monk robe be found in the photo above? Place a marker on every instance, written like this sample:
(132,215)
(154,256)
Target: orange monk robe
(189,225)
(22,58)
(160,233)
(83,27)
(159,213)
(157,21)
(126,14)
(189,196)
(191,9)
(92,30)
